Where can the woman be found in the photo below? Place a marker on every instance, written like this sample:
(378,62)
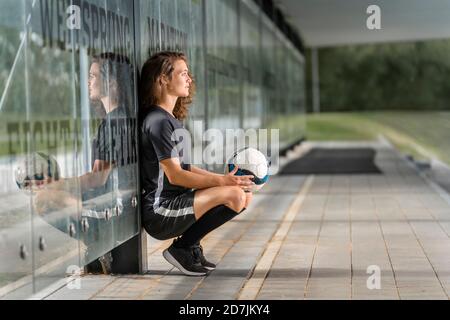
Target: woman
(179,199)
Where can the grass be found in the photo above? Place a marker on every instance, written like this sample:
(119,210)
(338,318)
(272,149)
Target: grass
(323,127)
(421,134)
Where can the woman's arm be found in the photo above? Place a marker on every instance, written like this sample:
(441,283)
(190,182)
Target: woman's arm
(198,170)
(94,179)
(194,180)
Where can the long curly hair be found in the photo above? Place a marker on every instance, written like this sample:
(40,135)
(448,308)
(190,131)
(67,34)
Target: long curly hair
(116,69)
(159,64)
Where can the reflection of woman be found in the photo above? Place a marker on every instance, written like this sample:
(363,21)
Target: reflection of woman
(179,199)
(110,78)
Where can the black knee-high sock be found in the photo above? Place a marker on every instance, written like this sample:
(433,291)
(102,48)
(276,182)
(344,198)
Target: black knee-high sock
(211,220)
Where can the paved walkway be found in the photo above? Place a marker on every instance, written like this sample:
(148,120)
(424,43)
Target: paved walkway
(313,237)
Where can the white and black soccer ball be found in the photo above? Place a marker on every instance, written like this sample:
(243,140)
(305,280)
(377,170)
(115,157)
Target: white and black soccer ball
(250,161)
(36,170)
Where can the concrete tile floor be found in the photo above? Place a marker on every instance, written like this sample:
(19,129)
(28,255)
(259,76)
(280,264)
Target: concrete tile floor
(346,227)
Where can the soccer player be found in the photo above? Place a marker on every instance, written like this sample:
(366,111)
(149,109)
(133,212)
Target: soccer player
(180,200)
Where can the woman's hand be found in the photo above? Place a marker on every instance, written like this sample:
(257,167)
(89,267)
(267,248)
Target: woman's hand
(245,182)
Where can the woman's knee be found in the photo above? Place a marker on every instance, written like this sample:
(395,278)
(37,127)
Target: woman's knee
(236,199)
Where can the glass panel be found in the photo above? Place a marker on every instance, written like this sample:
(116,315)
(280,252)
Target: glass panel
(121,108)
(223,63)
(109,115)
(16,248)
(190,22)
(282,74)
(251,65)
(182,31)
(300,99)
(280,107)
(148,29)
(222,56)
(55,142)
(298,95)
(294,117)
(267,68)
(171,35)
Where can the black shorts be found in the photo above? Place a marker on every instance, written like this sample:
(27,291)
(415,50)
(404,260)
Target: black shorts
(169,217)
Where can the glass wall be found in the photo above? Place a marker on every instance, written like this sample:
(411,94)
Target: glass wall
(16,246)
(222,61)
(250,69)
(268,67)
(68,138)
(68,106)
(51,103)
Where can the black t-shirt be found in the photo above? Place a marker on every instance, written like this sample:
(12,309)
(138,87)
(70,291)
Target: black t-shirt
(112,142)
(161,140)
(115,143)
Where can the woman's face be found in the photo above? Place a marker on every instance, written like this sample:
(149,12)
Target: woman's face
(179,84)
(94,82)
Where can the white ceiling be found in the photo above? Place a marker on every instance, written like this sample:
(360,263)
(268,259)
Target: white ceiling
(339,22)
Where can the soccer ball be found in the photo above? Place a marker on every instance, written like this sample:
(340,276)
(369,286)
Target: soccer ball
(250,162)
(36,170)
